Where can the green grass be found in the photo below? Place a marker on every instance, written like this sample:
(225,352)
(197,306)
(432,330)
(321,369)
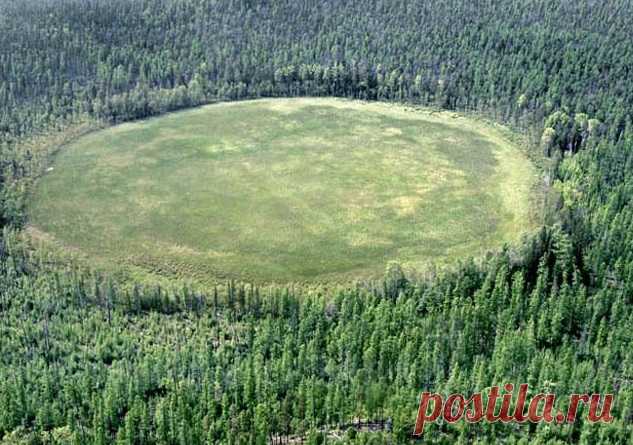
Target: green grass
(286,189)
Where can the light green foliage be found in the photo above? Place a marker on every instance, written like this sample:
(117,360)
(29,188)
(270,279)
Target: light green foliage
(92,359)
(294,189)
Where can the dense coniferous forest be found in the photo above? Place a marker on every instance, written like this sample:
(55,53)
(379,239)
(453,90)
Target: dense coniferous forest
(87,359)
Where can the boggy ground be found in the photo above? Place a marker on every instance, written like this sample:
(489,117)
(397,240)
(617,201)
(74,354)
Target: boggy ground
(286,190)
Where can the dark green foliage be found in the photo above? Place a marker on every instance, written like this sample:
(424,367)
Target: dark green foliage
(84,359)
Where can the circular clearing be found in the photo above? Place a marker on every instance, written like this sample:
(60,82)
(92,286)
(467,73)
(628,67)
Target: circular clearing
(286,190)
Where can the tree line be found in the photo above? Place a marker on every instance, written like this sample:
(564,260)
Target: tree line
(85,358)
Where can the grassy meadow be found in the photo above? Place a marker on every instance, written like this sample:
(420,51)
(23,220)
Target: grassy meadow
(286,190)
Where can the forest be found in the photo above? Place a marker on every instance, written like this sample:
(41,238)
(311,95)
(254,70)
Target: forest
(90,358)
